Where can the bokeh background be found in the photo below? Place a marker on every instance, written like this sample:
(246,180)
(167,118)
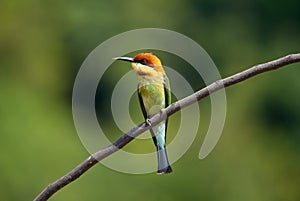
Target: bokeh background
(43,44)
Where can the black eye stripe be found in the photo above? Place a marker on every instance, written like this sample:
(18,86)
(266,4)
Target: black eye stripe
(142,61)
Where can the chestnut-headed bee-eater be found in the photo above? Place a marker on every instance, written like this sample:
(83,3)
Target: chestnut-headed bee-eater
(154,94)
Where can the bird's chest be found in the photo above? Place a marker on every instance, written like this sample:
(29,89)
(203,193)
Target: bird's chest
(152,92)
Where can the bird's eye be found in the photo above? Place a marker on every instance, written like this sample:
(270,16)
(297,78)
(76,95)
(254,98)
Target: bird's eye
(143,61)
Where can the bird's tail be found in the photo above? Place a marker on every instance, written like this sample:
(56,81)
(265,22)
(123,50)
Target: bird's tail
(163,163)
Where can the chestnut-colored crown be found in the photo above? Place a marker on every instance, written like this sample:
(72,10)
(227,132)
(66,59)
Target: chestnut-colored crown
(150,60)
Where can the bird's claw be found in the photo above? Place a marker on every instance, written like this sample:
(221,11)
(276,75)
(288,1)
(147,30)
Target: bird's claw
(148,122)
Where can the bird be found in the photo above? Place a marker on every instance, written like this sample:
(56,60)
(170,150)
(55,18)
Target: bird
(154,94)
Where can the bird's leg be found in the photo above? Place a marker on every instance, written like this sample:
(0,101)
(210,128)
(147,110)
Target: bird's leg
(148,122)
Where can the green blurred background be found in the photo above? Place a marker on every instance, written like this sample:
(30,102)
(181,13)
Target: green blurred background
(43,44)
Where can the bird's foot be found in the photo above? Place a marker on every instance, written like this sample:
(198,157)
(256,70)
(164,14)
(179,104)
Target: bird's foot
(148,122)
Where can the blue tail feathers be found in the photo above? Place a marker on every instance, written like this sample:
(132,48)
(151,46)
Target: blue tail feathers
(163,163)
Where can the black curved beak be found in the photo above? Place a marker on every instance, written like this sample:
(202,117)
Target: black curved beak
(128,59)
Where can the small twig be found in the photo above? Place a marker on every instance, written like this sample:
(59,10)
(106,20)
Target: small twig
(175,107)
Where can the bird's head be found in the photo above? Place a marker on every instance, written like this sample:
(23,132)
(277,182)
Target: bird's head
(145,64)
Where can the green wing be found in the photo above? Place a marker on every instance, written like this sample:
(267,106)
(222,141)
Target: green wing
(142,104)
(167,97)
(167,91)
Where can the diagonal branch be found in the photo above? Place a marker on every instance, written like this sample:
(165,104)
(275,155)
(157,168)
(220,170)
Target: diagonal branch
(173,108)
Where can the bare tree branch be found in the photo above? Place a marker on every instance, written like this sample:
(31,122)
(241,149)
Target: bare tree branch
(173,108)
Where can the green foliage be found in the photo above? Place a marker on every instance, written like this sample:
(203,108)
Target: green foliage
(43,44)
